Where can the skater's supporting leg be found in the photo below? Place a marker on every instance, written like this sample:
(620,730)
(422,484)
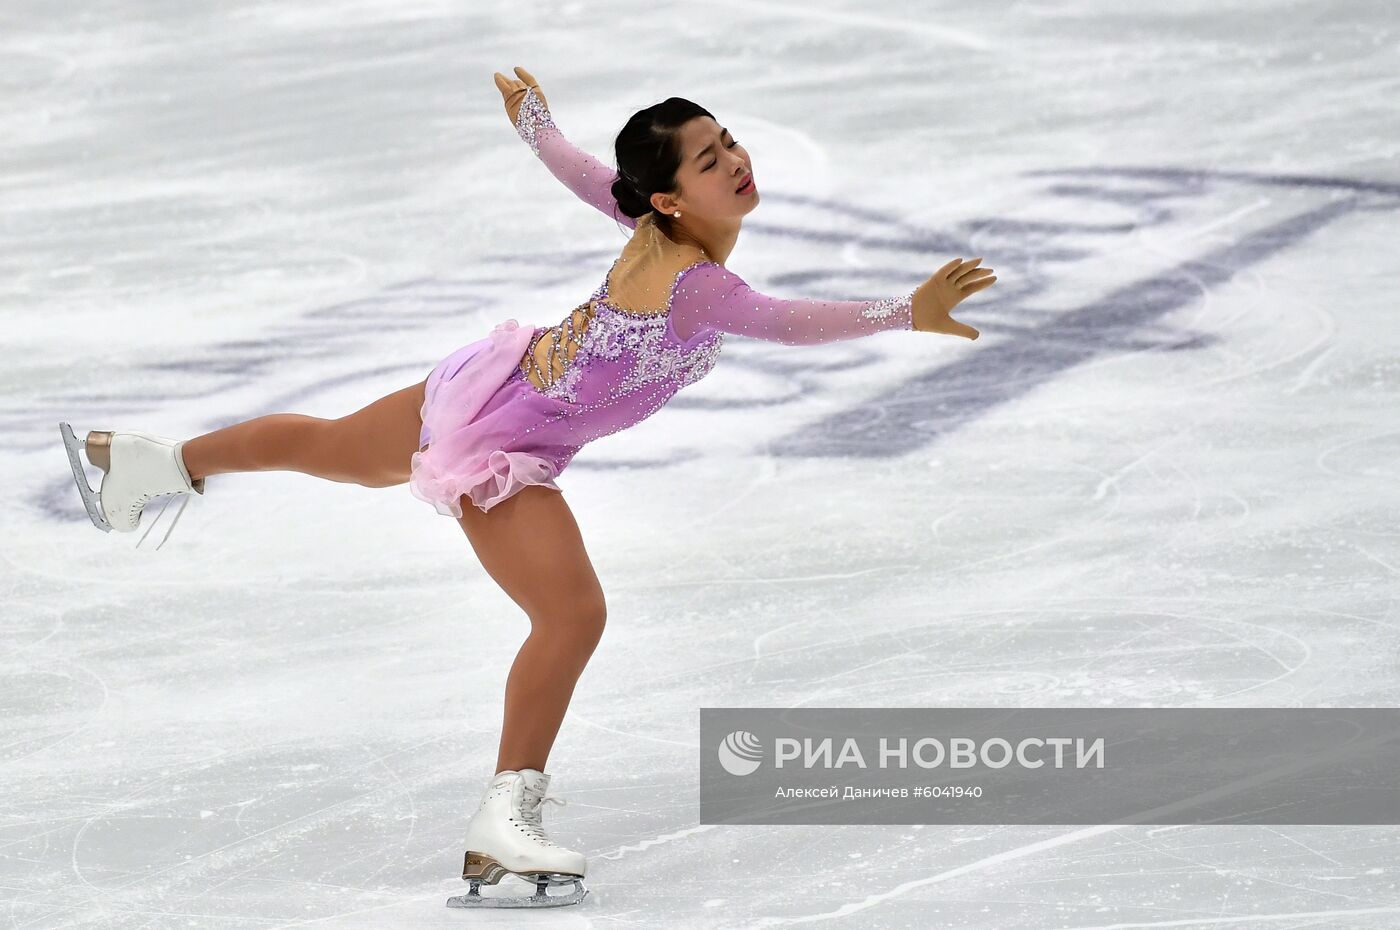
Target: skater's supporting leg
(371,447)
(530,545)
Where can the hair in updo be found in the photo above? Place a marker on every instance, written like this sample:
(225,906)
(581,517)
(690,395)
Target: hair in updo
(648,155)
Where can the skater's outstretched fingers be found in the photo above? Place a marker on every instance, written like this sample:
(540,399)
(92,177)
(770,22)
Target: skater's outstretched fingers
(529,80)
(971,279)
(513,90)
(972,286)
(935,298)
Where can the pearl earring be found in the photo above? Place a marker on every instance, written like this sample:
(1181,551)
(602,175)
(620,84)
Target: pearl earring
(677,213)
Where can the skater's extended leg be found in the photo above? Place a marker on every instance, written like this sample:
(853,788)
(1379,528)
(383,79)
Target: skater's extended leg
(530,545)
(371,447)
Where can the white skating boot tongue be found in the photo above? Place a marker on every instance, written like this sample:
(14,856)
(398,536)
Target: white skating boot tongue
(536,782)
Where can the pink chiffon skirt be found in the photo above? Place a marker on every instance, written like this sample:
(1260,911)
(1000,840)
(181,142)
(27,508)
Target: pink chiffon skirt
(474,414)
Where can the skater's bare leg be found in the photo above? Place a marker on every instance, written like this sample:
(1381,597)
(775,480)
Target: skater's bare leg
(530,545)
(371,447)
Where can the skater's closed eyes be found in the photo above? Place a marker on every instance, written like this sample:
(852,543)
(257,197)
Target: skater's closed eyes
(485,436)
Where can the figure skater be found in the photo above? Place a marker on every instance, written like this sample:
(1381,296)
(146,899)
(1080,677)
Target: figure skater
(485,436)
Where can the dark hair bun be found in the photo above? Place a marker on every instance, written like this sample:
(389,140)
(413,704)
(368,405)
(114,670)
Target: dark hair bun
(629,201)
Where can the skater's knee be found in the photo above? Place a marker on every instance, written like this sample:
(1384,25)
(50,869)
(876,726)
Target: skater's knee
(581,620)
(589,619)
(592,622)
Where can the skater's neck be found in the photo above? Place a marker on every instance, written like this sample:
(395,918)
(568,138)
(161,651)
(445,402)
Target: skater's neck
(715,238)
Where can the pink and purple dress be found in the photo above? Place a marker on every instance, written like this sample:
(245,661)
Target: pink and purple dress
(654,325)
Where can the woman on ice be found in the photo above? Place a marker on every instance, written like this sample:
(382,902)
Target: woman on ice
(485,436)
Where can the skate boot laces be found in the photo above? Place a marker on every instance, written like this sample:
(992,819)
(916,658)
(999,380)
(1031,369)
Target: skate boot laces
(184,499)
(530,816)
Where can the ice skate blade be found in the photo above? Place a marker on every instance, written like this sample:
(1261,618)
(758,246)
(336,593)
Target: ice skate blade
(480,869)
(540,898)
(90,497)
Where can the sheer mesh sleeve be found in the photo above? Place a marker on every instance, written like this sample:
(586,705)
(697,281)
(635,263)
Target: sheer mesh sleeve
(586,176)
(710,296)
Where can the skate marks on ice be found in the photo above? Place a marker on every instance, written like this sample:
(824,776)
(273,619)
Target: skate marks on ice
(237,812)
(988,863)
(1032,346)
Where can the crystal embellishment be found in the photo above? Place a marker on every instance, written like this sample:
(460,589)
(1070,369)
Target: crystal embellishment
(612,333)
(533,117)
(883,308)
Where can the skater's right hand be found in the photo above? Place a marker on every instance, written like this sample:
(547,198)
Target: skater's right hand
(936,297)
(514,91)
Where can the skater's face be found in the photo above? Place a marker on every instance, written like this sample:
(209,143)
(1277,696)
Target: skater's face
(713,166)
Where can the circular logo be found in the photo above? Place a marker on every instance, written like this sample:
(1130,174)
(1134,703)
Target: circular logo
(740,752)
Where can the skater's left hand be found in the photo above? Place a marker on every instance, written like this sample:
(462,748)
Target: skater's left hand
(514,91)
(949,286)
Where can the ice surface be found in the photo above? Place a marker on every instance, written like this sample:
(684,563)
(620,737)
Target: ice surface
(1165,475)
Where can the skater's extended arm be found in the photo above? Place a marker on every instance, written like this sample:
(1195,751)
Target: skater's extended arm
(709,296)
(580,172)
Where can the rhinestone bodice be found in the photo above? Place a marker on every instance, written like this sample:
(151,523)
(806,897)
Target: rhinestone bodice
(602,352)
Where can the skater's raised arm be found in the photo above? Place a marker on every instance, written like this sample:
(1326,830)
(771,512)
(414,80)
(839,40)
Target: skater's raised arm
(709,296)
(580,172)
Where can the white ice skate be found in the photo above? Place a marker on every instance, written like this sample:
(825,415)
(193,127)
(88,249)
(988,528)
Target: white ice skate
(137,467)
(506,837)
